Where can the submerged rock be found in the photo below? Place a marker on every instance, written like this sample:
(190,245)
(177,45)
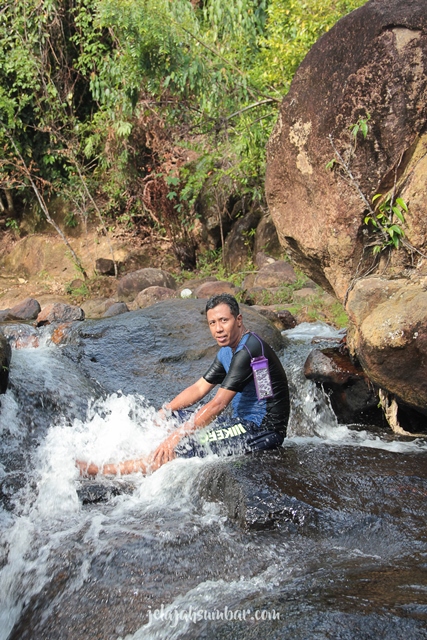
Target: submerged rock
(305,488)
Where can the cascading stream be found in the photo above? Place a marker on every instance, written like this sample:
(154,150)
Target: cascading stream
(155,558)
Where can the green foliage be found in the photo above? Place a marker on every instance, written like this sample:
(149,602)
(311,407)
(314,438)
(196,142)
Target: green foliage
(12,224)
(383,220)
(362,126)
(293,26)
(96,94)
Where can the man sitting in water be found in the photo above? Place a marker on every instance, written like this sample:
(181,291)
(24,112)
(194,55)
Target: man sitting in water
(255,425)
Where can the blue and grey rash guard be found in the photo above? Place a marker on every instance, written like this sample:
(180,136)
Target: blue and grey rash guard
(234,372)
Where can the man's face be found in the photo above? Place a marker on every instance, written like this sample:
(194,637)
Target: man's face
(224,327)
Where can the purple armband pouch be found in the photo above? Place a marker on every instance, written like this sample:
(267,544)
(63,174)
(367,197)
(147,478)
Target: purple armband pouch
(261,373)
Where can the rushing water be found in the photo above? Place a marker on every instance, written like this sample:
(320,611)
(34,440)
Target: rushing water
(156,558)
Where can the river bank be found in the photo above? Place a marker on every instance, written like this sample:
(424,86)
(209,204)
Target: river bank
(39,266)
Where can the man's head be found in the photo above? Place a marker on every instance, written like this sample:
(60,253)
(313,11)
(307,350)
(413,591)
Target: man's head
(224,298)
(224,320)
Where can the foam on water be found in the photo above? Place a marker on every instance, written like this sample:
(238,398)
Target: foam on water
(116,428)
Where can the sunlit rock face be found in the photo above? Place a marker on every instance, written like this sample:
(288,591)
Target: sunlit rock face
(372,65)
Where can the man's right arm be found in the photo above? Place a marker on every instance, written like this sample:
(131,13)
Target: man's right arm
(190,395)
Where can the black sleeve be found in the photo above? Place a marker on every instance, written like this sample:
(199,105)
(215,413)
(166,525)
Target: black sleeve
(216,373)
(240,372)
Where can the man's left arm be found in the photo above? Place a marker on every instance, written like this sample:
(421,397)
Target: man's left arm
(204,416)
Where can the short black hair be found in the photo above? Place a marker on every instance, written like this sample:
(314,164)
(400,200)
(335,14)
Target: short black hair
(224,298)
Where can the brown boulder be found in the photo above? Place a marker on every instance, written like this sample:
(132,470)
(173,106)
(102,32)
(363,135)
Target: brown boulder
(59,312)
(274,275)
(373,61)
(209,289)
(116,309)
(28,309)
(283,320)
(266,238)
(389,334)
(151,295)
(4,315)
(131,284)
(105,267)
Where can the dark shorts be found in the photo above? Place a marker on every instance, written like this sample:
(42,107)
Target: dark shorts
(227,436)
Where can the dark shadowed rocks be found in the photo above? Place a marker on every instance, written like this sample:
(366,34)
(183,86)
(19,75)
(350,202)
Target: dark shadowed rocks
(5,358)
(353,398)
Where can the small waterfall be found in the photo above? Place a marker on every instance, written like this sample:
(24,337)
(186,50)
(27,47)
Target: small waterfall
(154,559)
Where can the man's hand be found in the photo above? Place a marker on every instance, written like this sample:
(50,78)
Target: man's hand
(165,452)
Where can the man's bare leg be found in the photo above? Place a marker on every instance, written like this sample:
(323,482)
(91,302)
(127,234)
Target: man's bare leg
(124,468)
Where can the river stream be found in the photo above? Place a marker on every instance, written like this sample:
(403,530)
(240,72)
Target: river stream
(156,557)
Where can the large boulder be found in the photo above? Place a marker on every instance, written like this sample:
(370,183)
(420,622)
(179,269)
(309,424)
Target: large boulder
(155,351)
(389,334)
(28,309)
(372,65)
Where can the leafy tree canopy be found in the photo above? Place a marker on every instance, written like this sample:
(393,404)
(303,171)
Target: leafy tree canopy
(96,96)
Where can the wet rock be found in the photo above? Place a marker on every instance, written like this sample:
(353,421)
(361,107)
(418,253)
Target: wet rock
(352,396)
(93,492)
(21,336)
(61,332)
(10,485)
(131,284)
(151,295)
(5,358)
(59,312)
(305,488)
(156,351)
(254,499)
(209,289)
(115,309)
